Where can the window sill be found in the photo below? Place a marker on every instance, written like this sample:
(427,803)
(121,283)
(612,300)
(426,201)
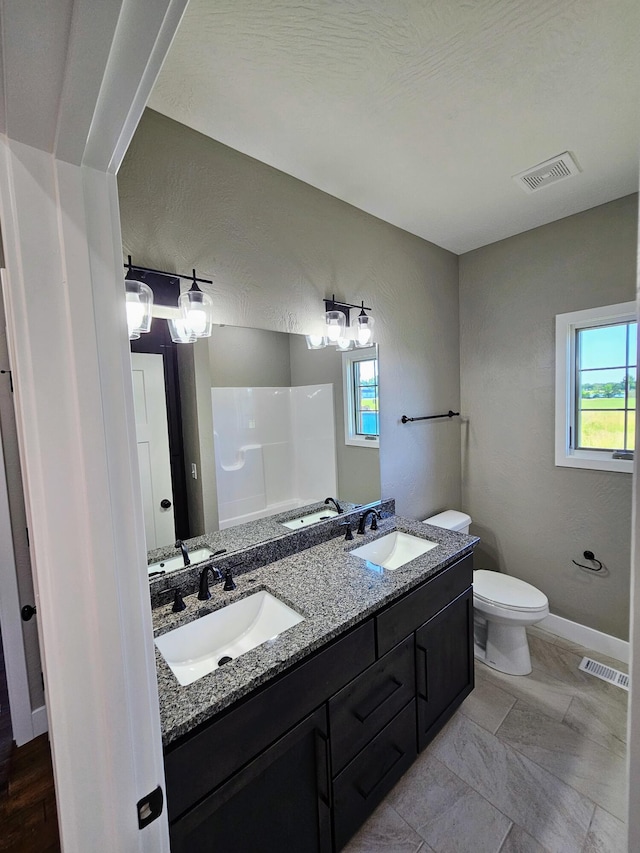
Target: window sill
(363,442)
(595,461)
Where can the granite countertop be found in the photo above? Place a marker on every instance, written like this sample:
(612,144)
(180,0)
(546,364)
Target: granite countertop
(250,533)
(332,590)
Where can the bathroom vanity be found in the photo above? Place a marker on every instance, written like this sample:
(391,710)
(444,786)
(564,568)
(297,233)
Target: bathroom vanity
(292,745)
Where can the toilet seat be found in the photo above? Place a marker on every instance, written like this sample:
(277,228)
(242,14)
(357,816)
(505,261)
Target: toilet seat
(503,591)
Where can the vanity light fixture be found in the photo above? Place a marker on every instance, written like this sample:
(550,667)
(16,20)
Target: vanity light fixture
(189,317)
(139,300)
(364,333)
(337,325)
(197,309)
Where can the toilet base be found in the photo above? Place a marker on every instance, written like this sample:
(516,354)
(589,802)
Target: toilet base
(507,649)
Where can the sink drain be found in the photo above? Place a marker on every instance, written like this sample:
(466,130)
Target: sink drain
(224,660)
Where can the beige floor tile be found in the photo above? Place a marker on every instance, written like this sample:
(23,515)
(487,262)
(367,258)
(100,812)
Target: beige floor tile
(539,689)
(519,841)
(386,832)
(590,768)
(487,705)
(562,665)
(446,811)
(600,720)
(607,834)
(552,812)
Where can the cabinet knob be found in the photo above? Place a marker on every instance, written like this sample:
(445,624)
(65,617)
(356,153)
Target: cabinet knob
(165,504)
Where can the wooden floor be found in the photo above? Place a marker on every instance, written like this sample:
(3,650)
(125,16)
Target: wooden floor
(28,820)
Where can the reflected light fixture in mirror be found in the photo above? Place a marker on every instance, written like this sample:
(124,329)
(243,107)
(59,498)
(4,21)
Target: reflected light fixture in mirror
(315,341)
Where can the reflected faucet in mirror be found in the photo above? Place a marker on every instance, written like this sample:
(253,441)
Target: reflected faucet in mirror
(185,552)
(335,503)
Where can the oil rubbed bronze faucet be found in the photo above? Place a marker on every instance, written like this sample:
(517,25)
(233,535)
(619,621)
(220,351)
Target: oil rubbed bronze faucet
(335,503)
(203,592)
(185,552)
(363,520)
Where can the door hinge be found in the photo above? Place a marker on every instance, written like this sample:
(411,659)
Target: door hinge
(150,807)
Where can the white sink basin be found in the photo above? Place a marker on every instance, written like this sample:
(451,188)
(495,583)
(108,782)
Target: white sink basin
(196,649)
(394,550)
(177,562)
(312,518)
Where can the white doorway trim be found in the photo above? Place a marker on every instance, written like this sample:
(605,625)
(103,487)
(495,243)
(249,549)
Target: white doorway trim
(74,402)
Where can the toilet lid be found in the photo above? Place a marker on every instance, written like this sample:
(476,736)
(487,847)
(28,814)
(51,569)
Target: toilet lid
(507,591)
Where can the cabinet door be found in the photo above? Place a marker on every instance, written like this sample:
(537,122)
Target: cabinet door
(444,665)
(279,801)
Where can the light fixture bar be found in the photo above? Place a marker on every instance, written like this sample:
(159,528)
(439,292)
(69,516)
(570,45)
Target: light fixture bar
(336,304)
(131,266)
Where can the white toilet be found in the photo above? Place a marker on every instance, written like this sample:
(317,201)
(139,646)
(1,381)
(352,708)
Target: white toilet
(502,608)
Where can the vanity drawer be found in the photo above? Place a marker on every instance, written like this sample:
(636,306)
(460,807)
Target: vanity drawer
(206,758)
(364,783)
(407,614)
(365,705)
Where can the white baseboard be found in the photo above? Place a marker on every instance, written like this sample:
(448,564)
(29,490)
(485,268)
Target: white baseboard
(40,721)
(588,637)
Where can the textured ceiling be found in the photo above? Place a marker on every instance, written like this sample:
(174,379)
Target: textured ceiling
(420,112)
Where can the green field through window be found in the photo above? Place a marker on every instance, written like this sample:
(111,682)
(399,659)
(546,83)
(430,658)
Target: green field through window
(606,387)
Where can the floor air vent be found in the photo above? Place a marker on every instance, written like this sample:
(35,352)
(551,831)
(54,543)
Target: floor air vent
(606,673)
(550,172)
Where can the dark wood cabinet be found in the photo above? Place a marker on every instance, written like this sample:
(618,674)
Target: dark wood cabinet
(302,762)
(444,665)
(279,801)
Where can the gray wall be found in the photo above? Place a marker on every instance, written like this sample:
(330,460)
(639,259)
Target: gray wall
(275,247)
(535,518)
(248,358)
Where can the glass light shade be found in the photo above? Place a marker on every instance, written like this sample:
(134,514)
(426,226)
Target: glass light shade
(316,341)
(197,310)
(336,324)
(344,344)
(364,331)
(181,332)
(139,300)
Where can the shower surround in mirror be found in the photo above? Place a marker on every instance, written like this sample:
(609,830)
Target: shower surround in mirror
(274,449)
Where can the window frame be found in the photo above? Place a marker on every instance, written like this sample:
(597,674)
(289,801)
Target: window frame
(351,437)
(566,327)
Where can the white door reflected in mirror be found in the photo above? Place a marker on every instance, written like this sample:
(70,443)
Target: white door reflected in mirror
(153,448)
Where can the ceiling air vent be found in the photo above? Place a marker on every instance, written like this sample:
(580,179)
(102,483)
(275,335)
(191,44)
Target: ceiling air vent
(550,172)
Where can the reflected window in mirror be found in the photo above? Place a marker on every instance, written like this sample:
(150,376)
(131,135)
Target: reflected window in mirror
(361,397)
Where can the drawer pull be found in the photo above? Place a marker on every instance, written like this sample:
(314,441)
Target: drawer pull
(397,685)
(365,794)
(421,662)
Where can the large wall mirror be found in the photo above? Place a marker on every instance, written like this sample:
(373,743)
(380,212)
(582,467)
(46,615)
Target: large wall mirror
(247,424)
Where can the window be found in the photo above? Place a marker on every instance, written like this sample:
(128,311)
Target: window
(596,357)
(361,398)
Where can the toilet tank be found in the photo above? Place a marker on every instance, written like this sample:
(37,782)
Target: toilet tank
(451,519)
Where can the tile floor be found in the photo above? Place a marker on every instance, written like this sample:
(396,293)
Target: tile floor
(527,765)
